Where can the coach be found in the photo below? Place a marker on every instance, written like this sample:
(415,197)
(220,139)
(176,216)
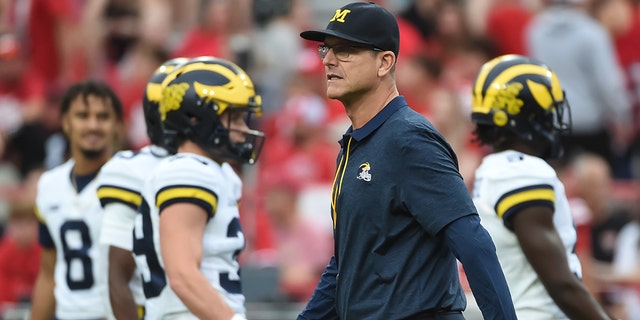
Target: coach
(401,211)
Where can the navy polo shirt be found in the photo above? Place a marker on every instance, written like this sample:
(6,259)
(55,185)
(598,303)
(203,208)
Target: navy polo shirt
(397,186)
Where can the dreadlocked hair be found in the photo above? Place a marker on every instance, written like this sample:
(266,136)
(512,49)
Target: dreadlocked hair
(495,137)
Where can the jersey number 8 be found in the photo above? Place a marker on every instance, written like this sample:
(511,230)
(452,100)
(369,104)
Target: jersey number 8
(75,255)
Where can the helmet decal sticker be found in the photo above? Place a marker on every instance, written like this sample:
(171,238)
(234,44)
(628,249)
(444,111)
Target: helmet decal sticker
(172,97)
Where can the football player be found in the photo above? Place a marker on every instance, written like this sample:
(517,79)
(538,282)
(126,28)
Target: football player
(71,283)
(119,190)
(188,234)
(521,111)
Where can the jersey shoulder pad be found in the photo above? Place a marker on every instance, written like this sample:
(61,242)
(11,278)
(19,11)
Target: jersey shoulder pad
(52,185)
(119,162)
(515,165)
(188,170)
(54,176)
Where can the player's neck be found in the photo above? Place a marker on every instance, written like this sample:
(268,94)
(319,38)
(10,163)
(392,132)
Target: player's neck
(192,147)
(87,165)
(82,168)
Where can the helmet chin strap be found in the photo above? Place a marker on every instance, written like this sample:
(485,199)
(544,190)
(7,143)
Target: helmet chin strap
(248,150)
(554,148)
(222,147)
(170,140)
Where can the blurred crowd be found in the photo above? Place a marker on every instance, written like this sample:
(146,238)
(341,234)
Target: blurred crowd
(46,45)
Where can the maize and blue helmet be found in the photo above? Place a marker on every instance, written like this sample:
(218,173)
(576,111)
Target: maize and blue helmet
(516,96)
(195,98)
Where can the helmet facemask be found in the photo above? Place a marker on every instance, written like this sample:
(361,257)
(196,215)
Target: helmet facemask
(221,145)
(559,127)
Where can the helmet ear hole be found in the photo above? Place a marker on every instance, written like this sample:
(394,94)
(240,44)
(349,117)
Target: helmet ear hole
(500,118)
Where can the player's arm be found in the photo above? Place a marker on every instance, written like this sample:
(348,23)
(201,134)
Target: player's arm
(545,251)
(121,268)
(473,246)
(181,231)
(43,305)
(323,302)
(43,302)
(116,232)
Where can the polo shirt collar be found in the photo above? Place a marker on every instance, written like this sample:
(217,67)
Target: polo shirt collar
(373,124)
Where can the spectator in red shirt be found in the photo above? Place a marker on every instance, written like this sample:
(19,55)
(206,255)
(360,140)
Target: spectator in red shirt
(300,146)
(300,149)
(506,22)
(302,246)
(22,107)
(210,36)
(53,40)
(19,257)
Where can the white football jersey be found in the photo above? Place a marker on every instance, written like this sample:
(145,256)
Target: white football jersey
(73,221)
(120,192)
(509,181)
(216,188)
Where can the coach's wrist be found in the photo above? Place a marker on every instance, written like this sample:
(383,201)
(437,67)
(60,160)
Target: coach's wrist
(238,317)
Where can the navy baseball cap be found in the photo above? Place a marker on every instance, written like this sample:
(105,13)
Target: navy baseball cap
(362,22)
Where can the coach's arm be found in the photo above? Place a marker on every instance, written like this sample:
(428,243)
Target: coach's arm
(474,248)
(322,305)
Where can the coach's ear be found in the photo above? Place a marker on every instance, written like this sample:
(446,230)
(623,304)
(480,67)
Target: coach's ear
(387,63)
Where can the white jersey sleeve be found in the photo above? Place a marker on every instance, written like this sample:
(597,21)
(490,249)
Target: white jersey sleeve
(517,181)
(119,189)
(73,220)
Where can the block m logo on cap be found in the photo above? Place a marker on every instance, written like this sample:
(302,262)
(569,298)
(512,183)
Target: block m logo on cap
(340,15)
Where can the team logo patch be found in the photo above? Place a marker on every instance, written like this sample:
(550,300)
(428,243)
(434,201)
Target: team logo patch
(364,172)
